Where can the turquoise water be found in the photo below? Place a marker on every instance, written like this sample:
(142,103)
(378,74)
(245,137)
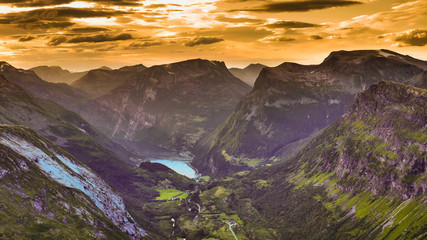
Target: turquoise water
(180,167)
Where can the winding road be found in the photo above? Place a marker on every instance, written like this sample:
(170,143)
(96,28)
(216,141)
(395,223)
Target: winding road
(229,226)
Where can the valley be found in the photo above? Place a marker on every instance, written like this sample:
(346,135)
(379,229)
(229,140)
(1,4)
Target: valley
(187,150)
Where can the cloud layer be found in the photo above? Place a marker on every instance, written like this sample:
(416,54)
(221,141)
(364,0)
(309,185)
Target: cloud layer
(81,34)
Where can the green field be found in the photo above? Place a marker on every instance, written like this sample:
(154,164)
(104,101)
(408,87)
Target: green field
(166,194)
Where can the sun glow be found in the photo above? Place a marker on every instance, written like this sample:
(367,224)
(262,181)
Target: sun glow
(179,2)
(98,21)
(78,5)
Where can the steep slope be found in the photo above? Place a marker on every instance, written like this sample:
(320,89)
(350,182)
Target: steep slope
(172,105)
(363,177)
(248,74)
(57,195)
(28,80)
(101,81)
(56,74)
(291,102)
(60,93)
(69,131)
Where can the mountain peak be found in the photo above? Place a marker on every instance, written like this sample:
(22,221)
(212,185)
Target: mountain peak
(380,95)
(5,66)
(138,67)
(350,56)
(255,66)
(198,63)
(105,68)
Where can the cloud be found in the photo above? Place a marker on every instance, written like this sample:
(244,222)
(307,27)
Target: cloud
(241,34)
(43,3)
(412,37)
(35,3)
(118,2)
(222,18)
(316,37)
(53,17)
(299,6)
(156,6)
(26,39)
(100,38)
(291,24)
(144,44)
(202,40)
(276,39)
(56,41)
(89,29)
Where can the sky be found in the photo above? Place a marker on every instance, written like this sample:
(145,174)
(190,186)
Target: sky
(86,34)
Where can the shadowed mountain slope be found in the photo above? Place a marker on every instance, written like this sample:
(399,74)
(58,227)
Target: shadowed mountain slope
(292,102)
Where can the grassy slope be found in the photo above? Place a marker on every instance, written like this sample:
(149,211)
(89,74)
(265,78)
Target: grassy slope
(361,178)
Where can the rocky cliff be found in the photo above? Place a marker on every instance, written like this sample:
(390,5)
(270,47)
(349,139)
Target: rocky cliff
(291,102)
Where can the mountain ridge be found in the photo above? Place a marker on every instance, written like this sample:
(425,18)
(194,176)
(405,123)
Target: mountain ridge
(291,102)
(362,177)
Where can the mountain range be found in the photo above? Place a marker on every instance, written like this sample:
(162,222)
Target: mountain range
(330,151)
(290,103)
(56,74)
(362,177)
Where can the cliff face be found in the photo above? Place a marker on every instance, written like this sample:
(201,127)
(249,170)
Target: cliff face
(101,81)
(363,177)
(379,145)
(173,105)
(291,102)
(64,193)
(248,74)
(56,74)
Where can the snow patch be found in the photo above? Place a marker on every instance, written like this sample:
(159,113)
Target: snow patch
(333,101)
(386,54)
(71,174)
(291,102)
(3,172)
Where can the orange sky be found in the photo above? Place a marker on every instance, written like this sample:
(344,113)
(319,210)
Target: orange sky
(80,35)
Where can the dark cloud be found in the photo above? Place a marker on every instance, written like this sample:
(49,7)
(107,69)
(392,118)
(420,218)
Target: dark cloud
(42,3)
(35,3)
(53,17)
(26,39)
(299,6)
(278,39)
(156,6)
(55,14)
(118,2)
(243,34)
(316,37)
(285,39)
(202,40)
(144,44)
(412,38)
(56,41)
(89,29)
(222,18)
(291,24)
(100,38)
